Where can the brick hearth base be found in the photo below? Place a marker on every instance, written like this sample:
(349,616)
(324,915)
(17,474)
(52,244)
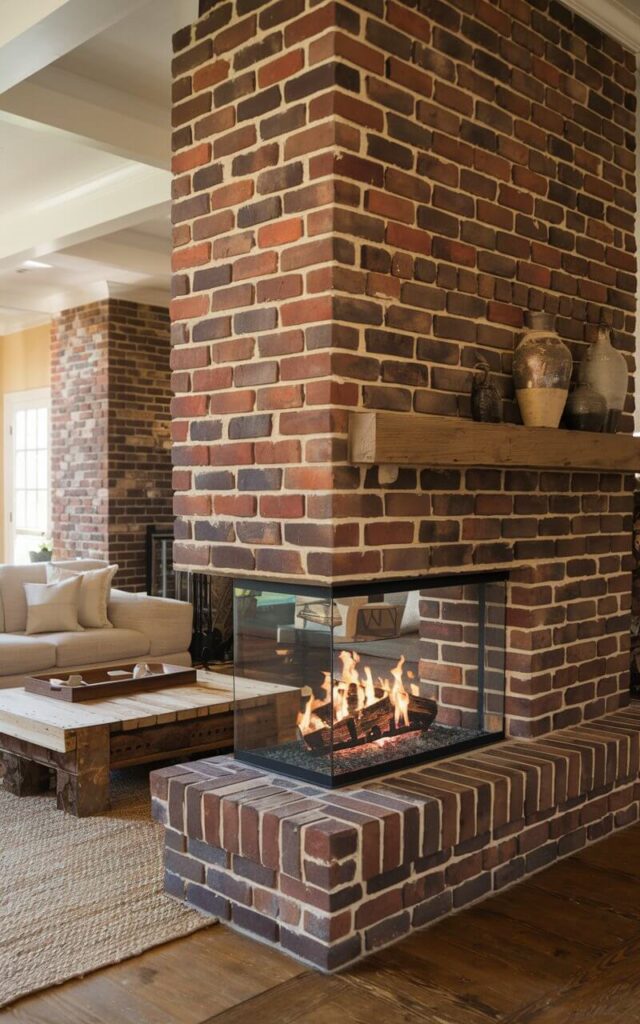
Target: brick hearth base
(329,877)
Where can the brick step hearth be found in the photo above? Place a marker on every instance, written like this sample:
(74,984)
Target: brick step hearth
(330,877)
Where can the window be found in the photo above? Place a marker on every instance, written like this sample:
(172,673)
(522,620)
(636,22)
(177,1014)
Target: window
(27,487)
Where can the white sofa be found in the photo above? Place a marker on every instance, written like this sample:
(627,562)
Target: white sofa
(143,626)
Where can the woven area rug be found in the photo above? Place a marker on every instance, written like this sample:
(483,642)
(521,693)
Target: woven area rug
(80,893)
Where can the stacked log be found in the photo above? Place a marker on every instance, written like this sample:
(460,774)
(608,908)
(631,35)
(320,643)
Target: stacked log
(369,724)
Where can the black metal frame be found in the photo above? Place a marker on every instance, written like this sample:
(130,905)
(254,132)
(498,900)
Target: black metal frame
(363,588)
(482,627)
(329,592)
(155,533)
(358,775)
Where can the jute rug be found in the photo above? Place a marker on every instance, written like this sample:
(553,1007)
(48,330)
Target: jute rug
(80,893)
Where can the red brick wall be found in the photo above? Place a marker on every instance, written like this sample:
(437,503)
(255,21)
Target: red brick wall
(110,433)
(368,196)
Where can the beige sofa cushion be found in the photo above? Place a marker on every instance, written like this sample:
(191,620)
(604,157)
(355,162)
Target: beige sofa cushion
(19,653)
(53,607)
(94,592)
(100,646)
(12,580)
(14,601)
(167,623)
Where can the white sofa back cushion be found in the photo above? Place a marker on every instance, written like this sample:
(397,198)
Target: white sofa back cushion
(53,607)
(12,596)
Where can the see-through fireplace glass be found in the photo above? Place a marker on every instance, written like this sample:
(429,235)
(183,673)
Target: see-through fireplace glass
(367,678)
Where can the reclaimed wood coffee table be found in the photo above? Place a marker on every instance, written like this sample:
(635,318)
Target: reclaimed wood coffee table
(83,741)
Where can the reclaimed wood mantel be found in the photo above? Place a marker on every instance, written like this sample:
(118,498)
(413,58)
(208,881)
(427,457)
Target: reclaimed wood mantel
(393,439)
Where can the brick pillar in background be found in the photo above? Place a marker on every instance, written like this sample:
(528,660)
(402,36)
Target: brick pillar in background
(111,467)
(79,431)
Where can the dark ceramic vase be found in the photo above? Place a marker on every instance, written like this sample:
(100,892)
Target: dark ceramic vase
(485,397)
(586,409)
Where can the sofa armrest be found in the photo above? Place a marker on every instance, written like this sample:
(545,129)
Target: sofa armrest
(168,624)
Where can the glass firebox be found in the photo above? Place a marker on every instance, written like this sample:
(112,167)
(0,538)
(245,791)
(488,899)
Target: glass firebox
(347,682)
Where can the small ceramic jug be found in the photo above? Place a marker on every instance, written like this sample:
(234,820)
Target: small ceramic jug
(606,371)
(485,398)
(541,372)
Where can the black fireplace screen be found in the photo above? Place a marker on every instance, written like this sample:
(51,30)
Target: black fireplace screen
(367,678)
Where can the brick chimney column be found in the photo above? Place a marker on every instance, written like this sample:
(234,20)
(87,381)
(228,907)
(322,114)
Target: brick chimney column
(111,467)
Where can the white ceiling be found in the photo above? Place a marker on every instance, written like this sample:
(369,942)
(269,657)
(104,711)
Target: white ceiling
(135,52)
(85,152)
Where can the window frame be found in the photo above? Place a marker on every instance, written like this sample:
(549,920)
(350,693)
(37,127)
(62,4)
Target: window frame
(14,402)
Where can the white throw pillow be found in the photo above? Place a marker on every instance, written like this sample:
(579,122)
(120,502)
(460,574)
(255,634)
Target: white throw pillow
(53,607)
(94,592)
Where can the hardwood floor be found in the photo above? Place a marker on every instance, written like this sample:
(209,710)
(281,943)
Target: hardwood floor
(562,948)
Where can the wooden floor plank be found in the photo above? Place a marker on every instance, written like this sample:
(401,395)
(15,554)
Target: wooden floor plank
(559,915)
(618,854)
(319,1000)
(295,1000)
(607,994)
(481,981)
(516,946)
(181,982)
(405,981)
(594,886)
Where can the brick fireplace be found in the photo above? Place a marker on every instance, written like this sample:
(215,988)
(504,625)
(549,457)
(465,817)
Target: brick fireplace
(367,199)
(368,196)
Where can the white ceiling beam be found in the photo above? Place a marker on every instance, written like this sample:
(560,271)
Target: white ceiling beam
(39,307)
(92,114)
(125,255)
(139,292)
(34,304)
(34,33)
(612,17)
(105,205)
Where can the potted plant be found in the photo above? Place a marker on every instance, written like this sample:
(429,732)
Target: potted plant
(44,552)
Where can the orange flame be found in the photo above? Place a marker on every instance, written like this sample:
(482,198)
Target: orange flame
(399,696)
(353,692)
(308,722)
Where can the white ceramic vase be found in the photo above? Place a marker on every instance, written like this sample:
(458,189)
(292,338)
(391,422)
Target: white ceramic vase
(605,369)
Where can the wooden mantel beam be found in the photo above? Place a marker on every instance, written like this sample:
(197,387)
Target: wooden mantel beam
(412,439)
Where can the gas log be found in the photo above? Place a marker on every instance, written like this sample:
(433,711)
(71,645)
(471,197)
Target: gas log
(373,722)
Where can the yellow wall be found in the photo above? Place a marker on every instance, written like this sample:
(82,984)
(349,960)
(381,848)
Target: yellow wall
(25,364)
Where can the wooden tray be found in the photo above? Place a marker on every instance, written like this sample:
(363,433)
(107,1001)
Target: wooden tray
(99,686)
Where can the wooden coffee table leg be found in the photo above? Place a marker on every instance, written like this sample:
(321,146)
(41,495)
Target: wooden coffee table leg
(23,777)
(84,790)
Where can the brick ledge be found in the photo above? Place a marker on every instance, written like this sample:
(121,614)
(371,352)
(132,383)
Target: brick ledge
(331,876)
